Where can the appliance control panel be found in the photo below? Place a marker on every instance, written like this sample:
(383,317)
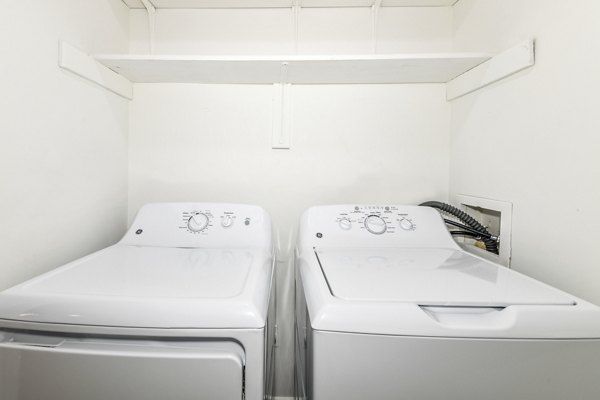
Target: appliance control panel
(200,225)
(202,221)
(377,220)
(378,225)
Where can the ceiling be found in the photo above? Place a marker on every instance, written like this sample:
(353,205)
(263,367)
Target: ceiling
(286,3)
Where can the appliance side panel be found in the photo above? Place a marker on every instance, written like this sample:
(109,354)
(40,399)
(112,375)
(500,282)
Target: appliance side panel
(354,366)
(271,332)
(301,334)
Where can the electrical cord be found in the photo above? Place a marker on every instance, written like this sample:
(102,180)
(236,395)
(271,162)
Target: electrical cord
(466,233)
(491,245)
(469,229)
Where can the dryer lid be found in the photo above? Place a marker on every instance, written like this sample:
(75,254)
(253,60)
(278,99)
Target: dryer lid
(430,277)
(156,287)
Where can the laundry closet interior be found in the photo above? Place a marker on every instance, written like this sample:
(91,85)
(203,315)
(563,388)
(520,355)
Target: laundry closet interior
(112,104)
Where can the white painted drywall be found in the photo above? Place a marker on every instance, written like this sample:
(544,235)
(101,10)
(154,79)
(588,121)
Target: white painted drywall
(355,144)
(350,143)
(63,141)
(533,139)
(215,31)
(271,31)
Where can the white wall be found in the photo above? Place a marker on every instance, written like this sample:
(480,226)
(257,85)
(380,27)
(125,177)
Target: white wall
(356,144)
(63,141)
(350,144)
(534,139)
(271,31)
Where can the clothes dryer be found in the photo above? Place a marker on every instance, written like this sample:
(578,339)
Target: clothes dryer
(389,307)
(181,308)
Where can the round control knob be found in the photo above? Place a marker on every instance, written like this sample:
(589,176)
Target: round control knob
(345,224)
(226,221)
(407,224)
(375,224)
(198,222)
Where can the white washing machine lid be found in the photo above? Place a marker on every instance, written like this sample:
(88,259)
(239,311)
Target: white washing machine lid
(153,287)
(430,277)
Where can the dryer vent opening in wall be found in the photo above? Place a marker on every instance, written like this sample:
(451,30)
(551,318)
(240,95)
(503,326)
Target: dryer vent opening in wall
(496,216)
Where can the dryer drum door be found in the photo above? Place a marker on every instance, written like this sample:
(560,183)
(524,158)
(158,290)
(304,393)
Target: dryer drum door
(34,367)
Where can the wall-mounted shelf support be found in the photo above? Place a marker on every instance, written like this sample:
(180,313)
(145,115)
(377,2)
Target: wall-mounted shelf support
(296,10)
(282,111)
(282,116)
(375,16)
(86,66)
(498,67)
(151,23)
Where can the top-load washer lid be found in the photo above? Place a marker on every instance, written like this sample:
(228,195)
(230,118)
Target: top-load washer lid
(430,277)
(150,287)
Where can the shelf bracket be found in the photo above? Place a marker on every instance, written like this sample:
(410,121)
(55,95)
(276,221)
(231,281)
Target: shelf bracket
(375,14)
(296,15)
(85,66)
(498,67)
(282,111)
(151,23)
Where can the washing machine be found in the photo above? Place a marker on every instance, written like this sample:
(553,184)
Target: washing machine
(181,308)
(388,306)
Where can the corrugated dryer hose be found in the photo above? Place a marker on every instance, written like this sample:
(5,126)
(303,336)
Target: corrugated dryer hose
(491,244)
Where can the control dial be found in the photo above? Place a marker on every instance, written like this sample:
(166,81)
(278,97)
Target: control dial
(198,222)
(226,221)
(407,224)
(375,224)
(345,224)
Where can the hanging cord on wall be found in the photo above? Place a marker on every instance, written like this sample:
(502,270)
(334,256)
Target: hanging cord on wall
(490,241)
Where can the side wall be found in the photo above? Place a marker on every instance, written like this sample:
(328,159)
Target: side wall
(63,149)
(360,144)
(533,139)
